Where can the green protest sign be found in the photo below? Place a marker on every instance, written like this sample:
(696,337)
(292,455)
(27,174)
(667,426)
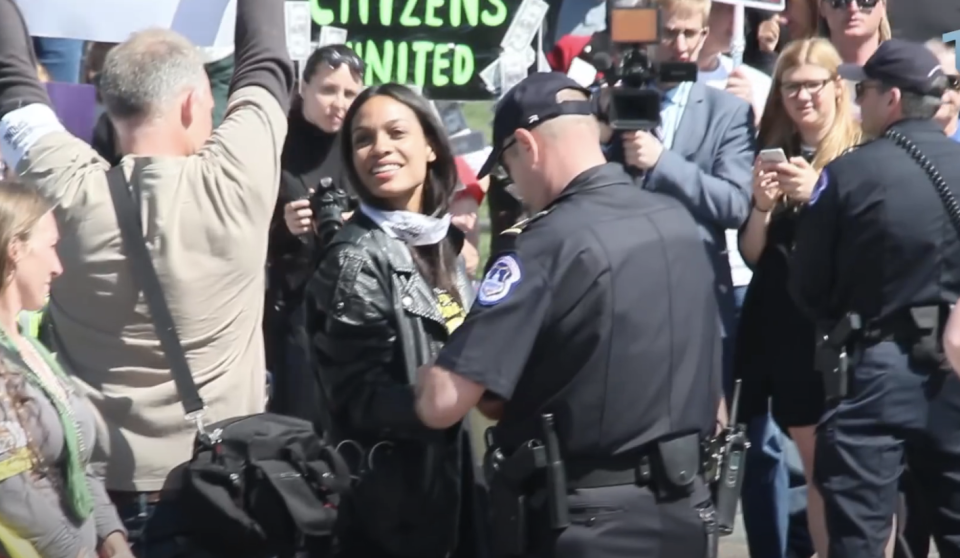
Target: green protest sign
(439,45)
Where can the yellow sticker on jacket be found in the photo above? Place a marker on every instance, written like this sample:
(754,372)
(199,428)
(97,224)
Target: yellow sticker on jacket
(451,311)
(15,456)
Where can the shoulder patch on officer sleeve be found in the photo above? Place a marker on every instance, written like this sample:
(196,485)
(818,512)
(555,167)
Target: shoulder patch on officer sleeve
(819,187)
(500,280)
(15,457)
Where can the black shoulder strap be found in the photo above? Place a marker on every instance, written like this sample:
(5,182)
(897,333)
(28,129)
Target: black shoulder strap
(138,257)
(946,195)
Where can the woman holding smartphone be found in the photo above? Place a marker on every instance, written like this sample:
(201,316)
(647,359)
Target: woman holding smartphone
(807,123)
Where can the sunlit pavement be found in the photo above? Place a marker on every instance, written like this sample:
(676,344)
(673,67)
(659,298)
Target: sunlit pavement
(735,545)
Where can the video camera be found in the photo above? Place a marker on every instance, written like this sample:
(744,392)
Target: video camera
(633,102)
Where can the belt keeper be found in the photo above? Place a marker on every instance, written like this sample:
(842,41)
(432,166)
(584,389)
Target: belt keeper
(644,470)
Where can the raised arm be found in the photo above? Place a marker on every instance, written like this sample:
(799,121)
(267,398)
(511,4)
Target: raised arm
(720,195)
(242,162)
(33,142)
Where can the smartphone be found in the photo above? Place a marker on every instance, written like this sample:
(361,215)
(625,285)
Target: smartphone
(773,156)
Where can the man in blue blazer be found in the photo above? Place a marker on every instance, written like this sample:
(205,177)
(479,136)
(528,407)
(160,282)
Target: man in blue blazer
(702,154)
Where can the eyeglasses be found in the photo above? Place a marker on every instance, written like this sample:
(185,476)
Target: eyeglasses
(862,4)
(953,82)
(861,87)
(671,35)
(813,87)
(511,141)
(335,58)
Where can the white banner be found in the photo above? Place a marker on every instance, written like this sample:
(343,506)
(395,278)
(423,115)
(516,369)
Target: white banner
(768,5)
(204,22)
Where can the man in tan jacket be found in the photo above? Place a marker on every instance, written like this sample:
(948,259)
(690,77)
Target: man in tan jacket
(205,198)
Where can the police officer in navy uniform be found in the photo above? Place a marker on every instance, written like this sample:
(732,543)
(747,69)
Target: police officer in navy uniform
(877,263)
(602,319)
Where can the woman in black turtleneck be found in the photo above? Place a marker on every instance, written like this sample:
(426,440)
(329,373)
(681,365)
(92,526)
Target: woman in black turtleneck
(312,180)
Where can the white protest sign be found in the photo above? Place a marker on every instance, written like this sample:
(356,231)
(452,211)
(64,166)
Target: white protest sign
(582,72)
(491,76)
(298,25)
(513,70)
(330,35)
(542,64)
(204,22)
(738,42)
(524,26)
(768,5)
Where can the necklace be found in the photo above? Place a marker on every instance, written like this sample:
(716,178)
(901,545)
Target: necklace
(43,371)
(42,375)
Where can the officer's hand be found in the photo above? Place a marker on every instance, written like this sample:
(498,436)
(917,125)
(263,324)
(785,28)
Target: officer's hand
(641,149)
(298,216)
(765,187)
(739,85)
(797,179)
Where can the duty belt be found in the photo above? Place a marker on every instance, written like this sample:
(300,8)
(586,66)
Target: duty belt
(610,471)
(645,467)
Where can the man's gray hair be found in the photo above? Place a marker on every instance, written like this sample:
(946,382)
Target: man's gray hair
(141,76)
(923,107)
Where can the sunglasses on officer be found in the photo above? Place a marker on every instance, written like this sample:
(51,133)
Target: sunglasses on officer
(861,87)
(953,82)
(862,4)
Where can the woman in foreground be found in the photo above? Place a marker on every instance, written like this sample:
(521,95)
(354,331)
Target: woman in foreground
(51,506)
(389,291)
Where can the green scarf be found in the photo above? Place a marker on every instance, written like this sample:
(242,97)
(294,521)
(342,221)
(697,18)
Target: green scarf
(78,491)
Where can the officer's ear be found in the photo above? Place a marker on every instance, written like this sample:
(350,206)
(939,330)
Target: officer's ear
(895,96)
(527,143)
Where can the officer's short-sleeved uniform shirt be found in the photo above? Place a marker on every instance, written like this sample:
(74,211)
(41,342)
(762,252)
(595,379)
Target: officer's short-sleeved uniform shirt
(602,313)
(875,238)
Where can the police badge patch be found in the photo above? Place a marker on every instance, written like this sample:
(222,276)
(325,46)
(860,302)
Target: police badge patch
(819,187)
(500,280)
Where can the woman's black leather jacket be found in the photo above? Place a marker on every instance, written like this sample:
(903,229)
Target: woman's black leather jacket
(373,320)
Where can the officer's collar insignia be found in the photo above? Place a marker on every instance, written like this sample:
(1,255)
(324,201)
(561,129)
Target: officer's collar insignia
(500,280)
(819,187)
(541,214)
(518,227)
(852,148)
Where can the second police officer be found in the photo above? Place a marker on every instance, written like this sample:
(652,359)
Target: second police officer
(594,341)
(877,263)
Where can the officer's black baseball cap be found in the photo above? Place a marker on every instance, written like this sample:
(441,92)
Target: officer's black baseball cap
(530,103)
(897,63)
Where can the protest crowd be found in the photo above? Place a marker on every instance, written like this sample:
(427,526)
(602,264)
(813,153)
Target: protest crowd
(246,310)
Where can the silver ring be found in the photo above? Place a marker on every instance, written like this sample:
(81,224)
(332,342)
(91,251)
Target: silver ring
(356,446)
(373,450)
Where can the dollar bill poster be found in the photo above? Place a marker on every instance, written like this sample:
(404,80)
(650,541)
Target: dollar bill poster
(440,46)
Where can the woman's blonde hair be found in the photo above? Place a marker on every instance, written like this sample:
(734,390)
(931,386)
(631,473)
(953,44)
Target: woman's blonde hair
(886,33)
(776,128)
(21,208)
